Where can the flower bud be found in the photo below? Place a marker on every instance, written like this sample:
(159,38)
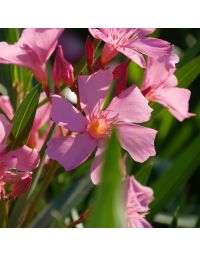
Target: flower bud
(108,53)
(89,50)
(21,185)
(120,75)
(63,72)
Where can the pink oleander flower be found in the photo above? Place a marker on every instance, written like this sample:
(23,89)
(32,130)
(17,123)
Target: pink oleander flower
(32,51)
(92,130)
(18,183)
(132,42)
(63,71)
(159,85)
(23,158)
(137,199)
(42,118)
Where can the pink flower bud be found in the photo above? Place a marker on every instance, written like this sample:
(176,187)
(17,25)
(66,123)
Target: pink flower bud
(89,49)
(22,184)
(120,75)
(108,53)
(63,72)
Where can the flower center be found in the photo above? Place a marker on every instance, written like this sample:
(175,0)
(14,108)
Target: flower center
(98,127)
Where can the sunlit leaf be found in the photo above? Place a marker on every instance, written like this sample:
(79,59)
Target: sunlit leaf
(23,118)
(108,209)
(188,72)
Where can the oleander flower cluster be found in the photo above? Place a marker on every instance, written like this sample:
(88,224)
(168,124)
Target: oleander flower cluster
(104,101)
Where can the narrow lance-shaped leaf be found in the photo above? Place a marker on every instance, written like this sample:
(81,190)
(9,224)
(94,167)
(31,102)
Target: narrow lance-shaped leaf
(63,204)
(108,211)
(23,119)
(177,175)
(188,72)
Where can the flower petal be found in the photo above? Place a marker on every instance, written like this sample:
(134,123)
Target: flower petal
(158,70)
(70,151)
(42,41)
(176,100)
(32,50)
(137,140)
(6,106)
(23,159)
(138,221)
(130,106)
(13,54)
(138,196)
(152,47)
(66,115)
(93,89)
(145,31)
(133,55)
(101,34)
(5,128)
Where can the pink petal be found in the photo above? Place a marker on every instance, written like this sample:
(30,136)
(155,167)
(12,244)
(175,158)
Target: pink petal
(152,47)
(158,70)
(145,31)
(43,113)
(5,128)
(23,57)
(130,106)
(23,159)
(93,89)
(70,152)
(133,55)
(137,140)
(32,50)
(176,100)
(138,221)
(101,34)
(97,163)
(6,106)
(42,41)
(66,115)
(138,196)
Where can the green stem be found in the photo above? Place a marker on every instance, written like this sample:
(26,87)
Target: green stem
(42,157)
(33,204)
(5,213)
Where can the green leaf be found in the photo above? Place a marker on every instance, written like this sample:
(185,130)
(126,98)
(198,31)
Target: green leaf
(108,211)
(174,222)
(12,35)
(144,173)
(64,203)
(187,74)
(176,176)
(6,80)
(23,119)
